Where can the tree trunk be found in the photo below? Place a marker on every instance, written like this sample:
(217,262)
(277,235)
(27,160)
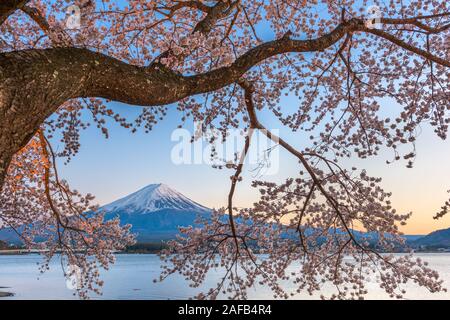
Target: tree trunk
(27,98)
(16,126)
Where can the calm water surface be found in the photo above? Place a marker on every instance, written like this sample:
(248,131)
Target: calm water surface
(131,277)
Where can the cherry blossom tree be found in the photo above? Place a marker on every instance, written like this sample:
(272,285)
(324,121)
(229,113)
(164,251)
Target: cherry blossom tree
(221,63)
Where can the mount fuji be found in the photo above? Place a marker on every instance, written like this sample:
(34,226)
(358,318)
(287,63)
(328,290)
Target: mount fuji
(155,212)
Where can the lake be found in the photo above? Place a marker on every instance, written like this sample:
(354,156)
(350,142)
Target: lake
(131,277)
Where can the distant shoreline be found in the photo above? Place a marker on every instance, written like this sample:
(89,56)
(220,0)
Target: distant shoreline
(156,247)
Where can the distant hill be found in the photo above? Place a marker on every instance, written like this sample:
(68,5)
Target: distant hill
(7,235)
(438,238)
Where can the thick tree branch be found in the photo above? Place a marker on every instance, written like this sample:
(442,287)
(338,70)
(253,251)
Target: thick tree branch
(102,76)
(34,83)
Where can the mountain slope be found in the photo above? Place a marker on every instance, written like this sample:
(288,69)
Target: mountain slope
(438,238)
(152,198)
(155,212)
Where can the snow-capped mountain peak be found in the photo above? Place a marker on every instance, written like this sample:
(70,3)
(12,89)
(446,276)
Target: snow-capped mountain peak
(152,198)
